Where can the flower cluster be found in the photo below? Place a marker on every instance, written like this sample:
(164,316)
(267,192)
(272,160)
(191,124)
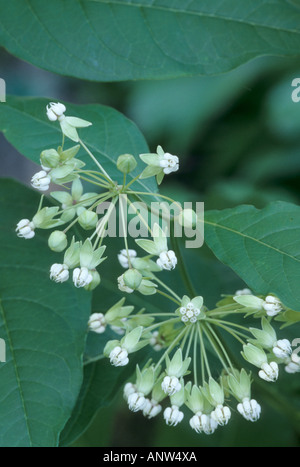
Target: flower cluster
(61,166)
(184,340)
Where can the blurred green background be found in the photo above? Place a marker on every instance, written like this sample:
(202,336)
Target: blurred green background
(238,139)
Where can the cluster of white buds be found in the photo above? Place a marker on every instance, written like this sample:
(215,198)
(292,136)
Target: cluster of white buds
(55,111)
(249,409)
(167,260)
(191,310)
(189,313)
(125,257)
(293,364)
(25,229)
(272,305)
(97,323)
(59,273)
(41,181)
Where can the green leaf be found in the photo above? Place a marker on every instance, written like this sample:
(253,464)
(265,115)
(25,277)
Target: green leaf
(44,328)
(26,126)
(101,383)
(261,246)
(113,40)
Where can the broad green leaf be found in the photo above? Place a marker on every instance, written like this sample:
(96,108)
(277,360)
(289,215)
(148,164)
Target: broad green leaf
(44,328)
(261,246)
(101,383)
(26,126)
(113,40)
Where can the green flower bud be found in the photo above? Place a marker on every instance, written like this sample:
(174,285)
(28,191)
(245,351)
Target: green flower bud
(249,301)
(131,341)
(147,287)
(44,218)
(187,218)
(62,175)
(145,379)
(95,282)
(157,393)
(88,219)
(132,278)
(177,367)
(58,241)
(254,355)
(72,255)
(126,163)
(266,337)
(216,392)
(50,159)
(240,384)
(195,400)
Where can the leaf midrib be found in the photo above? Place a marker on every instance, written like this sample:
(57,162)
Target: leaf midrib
(193,13)
(256,240)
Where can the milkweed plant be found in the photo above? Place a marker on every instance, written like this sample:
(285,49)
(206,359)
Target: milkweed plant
(180,378)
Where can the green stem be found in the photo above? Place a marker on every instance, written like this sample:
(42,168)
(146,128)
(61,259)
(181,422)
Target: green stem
(192,332)
(203,350)
(167,288)
(95,160)
(182,268)
(168,296)
(219,343)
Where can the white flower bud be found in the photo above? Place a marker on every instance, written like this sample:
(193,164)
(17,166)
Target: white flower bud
(123,257)
(293,365)
(25,229)
(122,286)
(167,260)
(173,415)
(272,305)
(170,385)
(269,372)
(249,409)
(136,401)
(118,356)
(97,323)
(221,415)
(243,292)
(169,163)
(155,341)
(129,389)
(41,181)
(282,348)
(151,408)
(82,277)
(59,273)
(55,111)
(203,423)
